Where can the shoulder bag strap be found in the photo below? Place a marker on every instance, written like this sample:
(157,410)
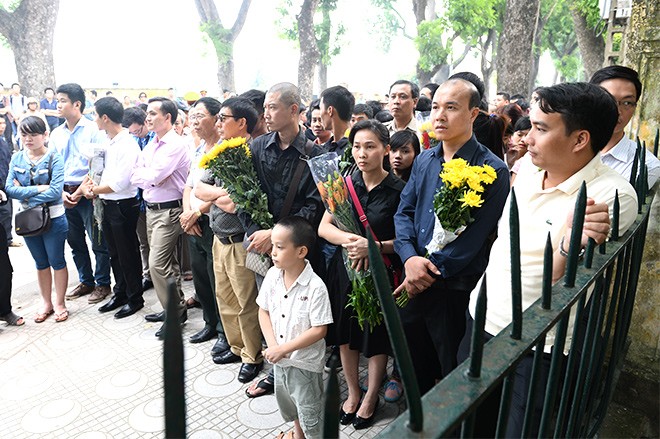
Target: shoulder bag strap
(295,181)
(363,216)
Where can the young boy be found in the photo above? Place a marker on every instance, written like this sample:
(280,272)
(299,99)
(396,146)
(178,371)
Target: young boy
(294,311)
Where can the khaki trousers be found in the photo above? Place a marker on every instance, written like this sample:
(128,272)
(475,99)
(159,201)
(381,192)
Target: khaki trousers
(236,291)
(163,230)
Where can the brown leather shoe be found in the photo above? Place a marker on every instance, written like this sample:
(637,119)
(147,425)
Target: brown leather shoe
(79,291)
(99,294)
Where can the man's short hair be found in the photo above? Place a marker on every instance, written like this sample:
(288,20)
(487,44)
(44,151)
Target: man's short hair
(74,92)
(582,106)
(618,72)
(424,104)
(257,97)
(212,105)
(167,106)
(340,99)
(111,107)
(289,93)
(414,88)
(15,83)
(516,97)
(504,94)
(474,79)
(133,115)
(242,108)
(301,231)
(45,89)
(363,109)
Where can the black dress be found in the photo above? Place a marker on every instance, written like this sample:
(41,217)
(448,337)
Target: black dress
(380,205)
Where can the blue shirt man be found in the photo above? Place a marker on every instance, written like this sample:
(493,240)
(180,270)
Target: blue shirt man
(49,107)
(440,285)
(69,139)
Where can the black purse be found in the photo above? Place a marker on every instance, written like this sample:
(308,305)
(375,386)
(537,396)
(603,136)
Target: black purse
(34,221)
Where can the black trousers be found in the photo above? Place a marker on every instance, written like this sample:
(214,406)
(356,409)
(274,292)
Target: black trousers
(201,263)
(434,323)
(6,275)
(119,226)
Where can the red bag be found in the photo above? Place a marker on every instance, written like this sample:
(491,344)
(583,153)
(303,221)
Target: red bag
(396,272)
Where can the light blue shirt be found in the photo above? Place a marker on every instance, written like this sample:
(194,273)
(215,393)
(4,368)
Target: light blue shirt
(70,145)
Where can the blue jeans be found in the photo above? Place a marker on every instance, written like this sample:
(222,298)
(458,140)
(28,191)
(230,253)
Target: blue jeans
(81,220)
(48,249)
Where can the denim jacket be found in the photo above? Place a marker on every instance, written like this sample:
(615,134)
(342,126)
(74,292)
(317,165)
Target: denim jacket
(22,170)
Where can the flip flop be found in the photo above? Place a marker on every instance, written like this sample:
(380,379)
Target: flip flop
(13,319)
(62,317)
(283,435)
(262,384)
(41,317)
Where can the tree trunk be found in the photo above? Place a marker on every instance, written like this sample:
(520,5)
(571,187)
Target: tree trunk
(487,66)
(516,44)
(226,73)
(222,39)
(29,31)
(591,45)
(309,52)
(323,76)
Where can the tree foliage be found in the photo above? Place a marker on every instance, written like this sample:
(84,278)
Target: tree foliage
(558,38)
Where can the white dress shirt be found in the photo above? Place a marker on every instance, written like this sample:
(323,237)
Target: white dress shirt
(621,156)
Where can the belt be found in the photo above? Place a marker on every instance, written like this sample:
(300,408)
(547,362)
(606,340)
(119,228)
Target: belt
(164,205)
(234,239)
(71,188)
(122,201)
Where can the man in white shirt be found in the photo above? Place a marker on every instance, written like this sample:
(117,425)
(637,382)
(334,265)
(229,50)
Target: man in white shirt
(619,154)
(121,208)
(571,123)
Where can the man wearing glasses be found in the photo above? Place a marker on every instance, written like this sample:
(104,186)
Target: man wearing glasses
(235,285)
(134,120)
(623,83)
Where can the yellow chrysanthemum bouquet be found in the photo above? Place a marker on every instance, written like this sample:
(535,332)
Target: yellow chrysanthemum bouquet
(231,162)
(454,202)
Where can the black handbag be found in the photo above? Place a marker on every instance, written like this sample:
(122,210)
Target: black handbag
(34,221)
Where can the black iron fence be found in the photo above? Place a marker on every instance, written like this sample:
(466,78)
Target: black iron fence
(597,292)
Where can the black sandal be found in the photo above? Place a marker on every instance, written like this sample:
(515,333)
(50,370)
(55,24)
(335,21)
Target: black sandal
(263,384)
(13,319)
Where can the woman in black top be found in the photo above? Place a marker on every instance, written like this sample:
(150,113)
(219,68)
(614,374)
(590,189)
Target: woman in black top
(378,191)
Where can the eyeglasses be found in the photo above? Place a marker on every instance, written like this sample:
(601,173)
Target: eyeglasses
(194,117)
(223,117)
(628,105)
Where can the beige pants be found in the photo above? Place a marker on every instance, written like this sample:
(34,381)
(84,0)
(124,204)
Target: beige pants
(163,230)
(236,292)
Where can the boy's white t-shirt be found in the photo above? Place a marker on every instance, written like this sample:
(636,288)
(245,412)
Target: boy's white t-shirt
(294,311)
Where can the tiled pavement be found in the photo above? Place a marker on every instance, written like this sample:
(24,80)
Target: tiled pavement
(96,377)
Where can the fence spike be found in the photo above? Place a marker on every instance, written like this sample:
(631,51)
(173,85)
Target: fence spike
(516,284)
(331,405)
(477,341)
(576,236)
(633,171)
(616,213)
(173,371)
(397,338)
(546,290)
(655,142)
(589,253)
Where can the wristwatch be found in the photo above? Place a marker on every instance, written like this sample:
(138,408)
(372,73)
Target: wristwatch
(564,253)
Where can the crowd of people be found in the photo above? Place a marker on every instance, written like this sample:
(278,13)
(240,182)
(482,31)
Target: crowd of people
(129,180)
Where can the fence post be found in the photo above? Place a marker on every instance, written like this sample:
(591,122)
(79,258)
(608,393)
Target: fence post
(173,372)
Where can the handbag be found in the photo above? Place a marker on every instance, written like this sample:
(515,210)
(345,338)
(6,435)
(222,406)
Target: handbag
(396,272)
(34,221)
(261,263)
